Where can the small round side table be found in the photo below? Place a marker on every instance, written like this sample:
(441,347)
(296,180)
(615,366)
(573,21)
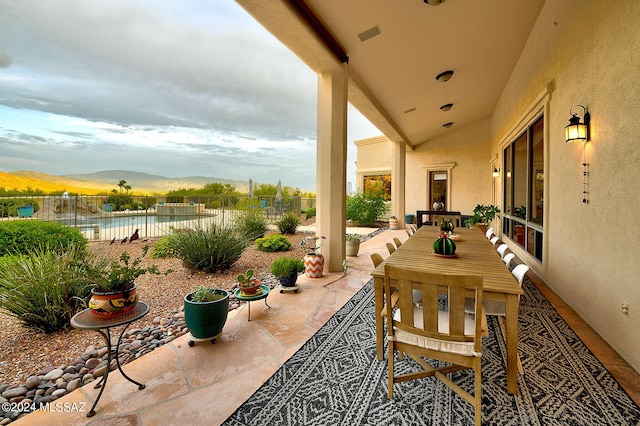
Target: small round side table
(265,289)
(88,321)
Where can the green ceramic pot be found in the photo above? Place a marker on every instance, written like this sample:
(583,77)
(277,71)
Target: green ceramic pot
(205,320)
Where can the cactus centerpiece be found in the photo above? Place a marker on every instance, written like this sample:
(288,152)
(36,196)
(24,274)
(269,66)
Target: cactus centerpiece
(446,225)
(444,246)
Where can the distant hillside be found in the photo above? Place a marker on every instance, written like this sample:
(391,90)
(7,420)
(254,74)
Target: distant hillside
(105,181)
(46,183)
(155,183)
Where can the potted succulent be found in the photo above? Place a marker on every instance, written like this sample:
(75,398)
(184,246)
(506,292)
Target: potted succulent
(247,283)
(205,312)
(114,292)
(286,270)
(313,259)
(352,245)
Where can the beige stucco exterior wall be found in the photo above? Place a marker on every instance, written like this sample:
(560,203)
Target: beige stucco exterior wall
(586,52)
(374,157)
(466,150)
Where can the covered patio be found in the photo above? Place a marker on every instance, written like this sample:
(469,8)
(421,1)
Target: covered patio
(481,93)
(513,63)
(205,384)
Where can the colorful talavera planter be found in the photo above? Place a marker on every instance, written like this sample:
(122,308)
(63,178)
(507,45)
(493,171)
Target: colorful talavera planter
(113,304)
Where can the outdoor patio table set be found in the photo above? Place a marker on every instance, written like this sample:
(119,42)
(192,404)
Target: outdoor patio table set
(475,255)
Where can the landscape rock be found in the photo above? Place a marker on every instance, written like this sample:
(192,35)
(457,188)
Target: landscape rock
(32,382)
(17,391)
(53,374)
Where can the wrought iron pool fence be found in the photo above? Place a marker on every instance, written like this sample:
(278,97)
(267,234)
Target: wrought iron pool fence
(103,218)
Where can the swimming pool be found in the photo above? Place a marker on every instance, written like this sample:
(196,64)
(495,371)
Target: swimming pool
(149,225)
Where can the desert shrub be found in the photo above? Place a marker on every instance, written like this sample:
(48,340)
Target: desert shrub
(22,236)
(45,288)
(365,209)
(251,224)
(210,250)
(161,248)
(288,223)
(248,203)
(121,201)
(310,212)
(275,242)
(10,206)
(215,204)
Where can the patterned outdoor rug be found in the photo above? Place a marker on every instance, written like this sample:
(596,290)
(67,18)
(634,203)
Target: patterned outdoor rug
(334,379)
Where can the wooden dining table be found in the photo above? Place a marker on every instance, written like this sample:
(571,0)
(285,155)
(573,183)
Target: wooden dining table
(476,256)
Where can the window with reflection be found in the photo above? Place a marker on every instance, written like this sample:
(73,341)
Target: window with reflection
(523,197)
(378,184)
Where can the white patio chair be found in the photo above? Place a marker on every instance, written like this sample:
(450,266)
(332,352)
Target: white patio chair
(502,250)
(507,258)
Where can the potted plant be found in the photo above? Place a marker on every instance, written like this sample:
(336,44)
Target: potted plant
(114,292)
(286,270)
(247,283)
(313,259)
(205,312)
(393,222)
(482,215)
(106,205)
(352,245)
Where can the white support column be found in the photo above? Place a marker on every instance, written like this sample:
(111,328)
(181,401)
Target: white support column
(331,180)
(398,167)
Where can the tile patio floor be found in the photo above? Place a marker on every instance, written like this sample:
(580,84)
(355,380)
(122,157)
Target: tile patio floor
(204,384)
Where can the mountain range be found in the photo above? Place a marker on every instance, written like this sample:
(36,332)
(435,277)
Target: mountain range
(107,180)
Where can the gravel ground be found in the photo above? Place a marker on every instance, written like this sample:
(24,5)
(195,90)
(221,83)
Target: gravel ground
(25,352)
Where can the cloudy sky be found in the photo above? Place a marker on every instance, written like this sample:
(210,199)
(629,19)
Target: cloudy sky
(174,88)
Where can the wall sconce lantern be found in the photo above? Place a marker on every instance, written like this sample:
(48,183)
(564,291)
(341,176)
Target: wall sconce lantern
(496,172)
(577,131)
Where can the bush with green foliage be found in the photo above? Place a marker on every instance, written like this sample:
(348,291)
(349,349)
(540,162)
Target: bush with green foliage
(251,224)
(365,209)
(22,236)
(210,250)
(288,223)
(9,206)
(161,248)
(45,288)
(275,242)
(310,212)
(121,201)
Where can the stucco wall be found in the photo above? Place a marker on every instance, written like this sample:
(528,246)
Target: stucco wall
(374,157)
(587,52)
(471,181)
(466,147)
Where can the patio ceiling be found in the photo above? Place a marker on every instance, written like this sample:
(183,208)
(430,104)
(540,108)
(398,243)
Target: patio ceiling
(393,73)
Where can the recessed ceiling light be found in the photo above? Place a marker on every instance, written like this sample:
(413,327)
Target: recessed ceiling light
(409,110)
(444,76)
(447,125)
(434,2)
(446,107)
(370,33)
